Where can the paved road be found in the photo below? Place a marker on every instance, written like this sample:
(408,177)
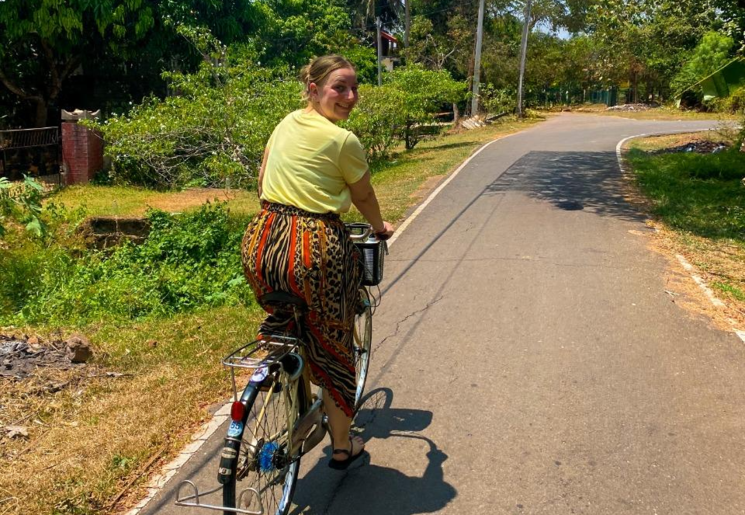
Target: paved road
(527,359)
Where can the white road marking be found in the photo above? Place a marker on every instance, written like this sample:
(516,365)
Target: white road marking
(710,294)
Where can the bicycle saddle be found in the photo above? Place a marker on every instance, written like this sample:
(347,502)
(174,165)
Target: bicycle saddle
(282,299)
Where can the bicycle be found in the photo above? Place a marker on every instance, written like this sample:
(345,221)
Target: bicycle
(277,419)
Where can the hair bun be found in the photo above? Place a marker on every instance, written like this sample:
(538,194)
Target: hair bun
(305,74)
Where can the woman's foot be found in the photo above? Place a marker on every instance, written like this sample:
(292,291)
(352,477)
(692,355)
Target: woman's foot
(341,458)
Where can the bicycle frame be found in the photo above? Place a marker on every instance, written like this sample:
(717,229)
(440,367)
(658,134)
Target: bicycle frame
(270,373)
(284,365)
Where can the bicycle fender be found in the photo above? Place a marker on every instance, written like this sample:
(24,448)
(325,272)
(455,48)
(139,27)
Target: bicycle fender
(231,448)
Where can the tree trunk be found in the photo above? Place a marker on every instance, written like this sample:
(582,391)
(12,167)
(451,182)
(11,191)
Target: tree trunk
(456,115)
(41,113)
(471,63)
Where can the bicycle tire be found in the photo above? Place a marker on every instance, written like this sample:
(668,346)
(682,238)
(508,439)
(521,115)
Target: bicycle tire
(362,344)
(266,464)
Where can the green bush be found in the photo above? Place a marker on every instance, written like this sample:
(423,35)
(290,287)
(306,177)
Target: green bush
(426,92)
(402,109)
(712,52)
(497,101)
(187,262)
(212,132)
(735,103)
(378,119)
(21,202)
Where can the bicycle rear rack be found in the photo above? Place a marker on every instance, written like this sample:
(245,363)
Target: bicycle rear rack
(259,353)
(183,501)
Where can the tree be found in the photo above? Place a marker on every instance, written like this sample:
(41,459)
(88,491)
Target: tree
(732,16)
(434,50)
(425,92)
(710,54)
(646,41)
(365,12)
(42,42)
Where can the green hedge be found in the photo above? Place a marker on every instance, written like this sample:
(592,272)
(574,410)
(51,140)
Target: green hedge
(403,109)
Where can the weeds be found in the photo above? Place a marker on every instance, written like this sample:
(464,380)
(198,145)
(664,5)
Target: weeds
(701,197)
(188,262)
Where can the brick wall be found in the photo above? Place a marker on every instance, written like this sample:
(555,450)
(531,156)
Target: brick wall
(82,152)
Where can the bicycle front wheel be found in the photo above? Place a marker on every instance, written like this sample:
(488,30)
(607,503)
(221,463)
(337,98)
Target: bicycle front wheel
(267,472)
(362,344)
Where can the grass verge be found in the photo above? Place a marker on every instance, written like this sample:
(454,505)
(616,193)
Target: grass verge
(699,200)
(106,426)
(663,113)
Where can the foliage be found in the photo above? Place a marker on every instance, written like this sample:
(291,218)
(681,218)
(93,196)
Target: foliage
(709,55)
(214,132)
(378,119)
(434,50)
(426,93)
(42,41)
(402,109)
(646,42)
(732,15)
(365,61)
(187,262)
(21,202)
(292,32)
(110,53)
(735,103)
(495,100)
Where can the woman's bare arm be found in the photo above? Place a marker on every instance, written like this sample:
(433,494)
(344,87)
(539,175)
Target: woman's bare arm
(261,171)
(364,199)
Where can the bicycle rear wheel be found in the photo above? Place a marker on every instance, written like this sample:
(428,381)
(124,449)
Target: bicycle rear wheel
(267,473)
(362,343)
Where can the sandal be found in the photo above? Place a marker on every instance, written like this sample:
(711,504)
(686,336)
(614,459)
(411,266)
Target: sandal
(344,464)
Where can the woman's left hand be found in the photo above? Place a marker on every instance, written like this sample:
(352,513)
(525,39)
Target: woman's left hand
(386,232)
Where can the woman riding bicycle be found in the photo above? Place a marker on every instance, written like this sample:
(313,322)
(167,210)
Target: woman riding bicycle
(312,171)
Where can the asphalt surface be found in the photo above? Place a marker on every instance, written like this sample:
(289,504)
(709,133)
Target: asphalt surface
(527,358)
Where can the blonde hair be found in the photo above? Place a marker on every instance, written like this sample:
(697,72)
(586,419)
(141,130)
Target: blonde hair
(320,68)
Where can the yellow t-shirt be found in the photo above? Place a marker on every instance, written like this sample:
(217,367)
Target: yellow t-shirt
(310,163)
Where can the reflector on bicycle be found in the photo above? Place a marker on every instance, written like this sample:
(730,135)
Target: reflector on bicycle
(236,411)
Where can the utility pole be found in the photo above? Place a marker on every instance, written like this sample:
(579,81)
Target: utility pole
(477,64)
(407,25)
(380,53)
(523,53)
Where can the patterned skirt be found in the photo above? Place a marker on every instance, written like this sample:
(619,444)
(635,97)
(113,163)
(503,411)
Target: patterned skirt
(310,255)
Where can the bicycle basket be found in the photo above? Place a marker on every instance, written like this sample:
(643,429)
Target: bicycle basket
(373,253)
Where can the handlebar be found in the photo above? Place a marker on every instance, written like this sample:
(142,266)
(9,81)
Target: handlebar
(360,231)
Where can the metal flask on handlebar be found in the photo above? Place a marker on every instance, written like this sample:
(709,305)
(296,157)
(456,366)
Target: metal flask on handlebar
(373,254)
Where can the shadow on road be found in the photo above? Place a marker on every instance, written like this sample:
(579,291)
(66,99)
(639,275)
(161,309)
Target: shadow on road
(587,181)
(368,489)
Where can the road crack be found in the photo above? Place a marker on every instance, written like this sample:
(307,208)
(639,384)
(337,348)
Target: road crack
(402,321)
